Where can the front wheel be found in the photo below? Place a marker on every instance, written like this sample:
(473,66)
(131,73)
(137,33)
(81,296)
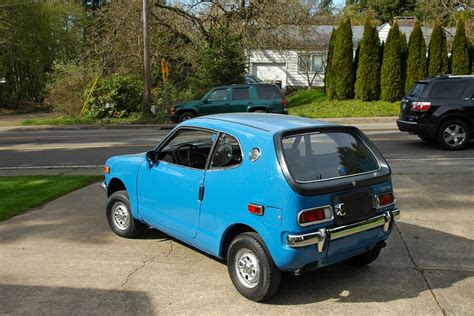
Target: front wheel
(251,268)
(186,116)
(119,216)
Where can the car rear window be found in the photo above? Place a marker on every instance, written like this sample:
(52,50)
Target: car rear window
(323,156)
(268,92)
(417,90)
(448,89)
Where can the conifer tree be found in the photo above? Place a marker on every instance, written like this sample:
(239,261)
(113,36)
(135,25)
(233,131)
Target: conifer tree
(341,84)
(437,52)
(391,72)
(416,61)
(460,52)
(327,71)
(367,86)
(404,57)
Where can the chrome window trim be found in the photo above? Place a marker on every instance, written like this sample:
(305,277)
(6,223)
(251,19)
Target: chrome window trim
(341,177)
(317,222)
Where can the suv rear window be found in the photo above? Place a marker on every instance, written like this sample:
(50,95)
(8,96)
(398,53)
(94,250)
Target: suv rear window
(323,156)
(268,92)
(417,90)
(448,89)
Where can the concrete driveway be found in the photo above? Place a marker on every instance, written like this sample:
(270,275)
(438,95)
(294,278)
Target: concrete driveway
(63,259)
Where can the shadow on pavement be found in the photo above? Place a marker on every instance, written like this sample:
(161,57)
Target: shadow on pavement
(380,281)
(41,300)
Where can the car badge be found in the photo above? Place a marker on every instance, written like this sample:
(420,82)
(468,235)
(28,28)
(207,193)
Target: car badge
(340,211)
(342,170)
(254,154)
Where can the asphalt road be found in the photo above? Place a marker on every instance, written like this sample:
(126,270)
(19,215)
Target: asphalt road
(63,259)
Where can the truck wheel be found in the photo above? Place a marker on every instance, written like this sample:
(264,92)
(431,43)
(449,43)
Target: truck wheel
(364,258)
(453,135)
(119,216)
(251,268)
(186,116)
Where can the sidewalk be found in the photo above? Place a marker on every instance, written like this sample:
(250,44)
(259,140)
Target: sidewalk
(12,122)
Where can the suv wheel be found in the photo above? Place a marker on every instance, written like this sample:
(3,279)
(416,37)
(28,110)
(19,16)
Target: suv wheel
(453,135)
(186,116)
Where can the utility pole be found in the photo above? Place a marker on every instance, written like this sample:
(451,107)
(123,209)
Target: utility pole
(146,60)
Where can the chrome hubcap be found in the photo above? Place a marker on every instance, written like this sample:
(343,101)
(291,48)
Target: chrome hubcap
(121,216)
(247,268)
(454,135)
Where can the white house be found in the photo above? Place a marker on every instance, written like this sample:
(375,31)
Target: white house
(302,59)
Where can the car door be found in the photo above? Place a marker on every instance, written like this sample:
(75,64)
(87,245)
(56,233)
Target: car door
(170,190)
(240,99)
(216,101)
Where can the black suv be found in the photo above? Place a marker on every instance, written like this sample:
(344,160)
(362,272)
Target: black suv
(440,109)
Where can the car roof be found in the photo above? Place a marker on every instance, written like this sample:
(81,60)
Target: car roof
(244,85)
(445,77)
(254,122)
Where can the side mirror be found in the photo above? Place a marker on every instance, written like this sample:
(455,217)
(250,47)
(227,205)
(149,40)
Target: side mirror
(151,157)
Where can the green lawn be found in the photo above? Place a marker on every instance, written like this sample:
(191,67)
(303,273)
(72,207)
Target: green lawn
(19,194)
(77,120)
(314,104)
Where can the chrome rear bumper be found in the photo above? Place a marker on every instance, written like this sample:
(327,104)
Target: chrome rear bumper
(323,236)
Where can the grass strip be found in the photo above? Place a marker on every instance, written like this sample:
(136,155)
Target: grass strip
(19,194)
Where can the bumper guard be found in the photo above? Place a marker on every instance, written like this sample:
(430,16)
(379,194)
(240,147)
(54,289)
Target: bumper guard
(323,236)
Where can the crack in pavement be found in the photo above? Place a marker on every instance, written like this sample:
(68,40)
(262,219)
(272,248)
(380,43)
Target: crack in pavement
(137,269)
(170,250)
(421,271)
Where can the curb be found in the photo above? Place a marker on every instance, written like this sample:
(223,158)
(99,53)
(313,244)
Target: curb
(89,127)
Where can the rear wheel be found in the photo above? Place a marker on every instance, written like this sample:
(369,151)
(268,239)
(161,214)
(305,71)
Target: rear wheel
(453,135)
(119,216)
(186,116)
(251,268)
(364,258)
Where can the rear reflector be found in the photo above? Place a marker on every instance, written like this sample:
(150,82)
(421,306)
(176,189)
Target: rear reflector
(283,103)
(106,169)
(385,199)
(315,216)
(420,106)
(255,209)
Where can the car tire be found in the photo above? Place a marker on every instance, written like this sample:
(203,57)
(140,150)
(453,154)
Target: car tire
(259,111)
(251,268)
(426,139)
(364,258)
(185,116)
(119,216)
(453,135)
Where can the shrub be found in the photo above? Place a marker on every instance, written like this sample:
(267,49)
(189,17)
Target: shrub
(438,54)
(460,52)
(416,63)
(115,96)
(327,73)
(391,72)
(66,86)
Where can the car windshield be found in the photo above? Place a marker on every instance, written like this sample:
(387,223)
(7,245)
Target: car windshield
(417,89)
(322,156)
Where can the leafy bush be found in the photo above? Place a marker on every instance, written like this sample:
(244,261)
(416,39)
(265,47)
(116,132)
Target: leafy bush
(113,97)
(66,85)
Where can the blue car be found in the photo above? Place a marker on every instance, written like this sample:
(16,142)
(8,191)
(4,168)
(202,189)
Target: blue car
(268,193)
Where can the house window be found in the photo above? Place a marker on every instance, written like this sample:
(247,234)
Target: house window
(310,63)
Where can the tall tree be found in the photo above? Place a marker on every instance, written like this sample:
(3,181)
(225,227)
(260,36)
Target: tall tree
(341,86)
(437,52)
(460,51)
(328,70)
(416,63)
(403,56)
(391,73)
(367,86)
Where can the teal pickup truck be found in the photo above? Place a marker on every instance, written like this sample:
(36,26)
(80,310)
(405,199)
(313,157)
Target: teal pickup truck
(258,97)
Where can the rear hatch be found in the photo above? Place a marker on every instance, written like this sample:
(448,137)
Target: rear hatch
(333,165)
(407,112)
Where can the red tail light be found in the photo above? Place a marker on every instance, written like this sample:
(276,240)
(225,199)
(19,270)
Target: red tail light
(283,103)
(385,199)
(255,209)
(315,216)
(420,106)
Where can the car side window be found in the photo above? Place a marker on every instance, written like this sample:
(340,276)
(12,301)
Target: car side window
(218,95)
(188,148)
(268,92)
(448,89)
(227,153)
(240,94)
